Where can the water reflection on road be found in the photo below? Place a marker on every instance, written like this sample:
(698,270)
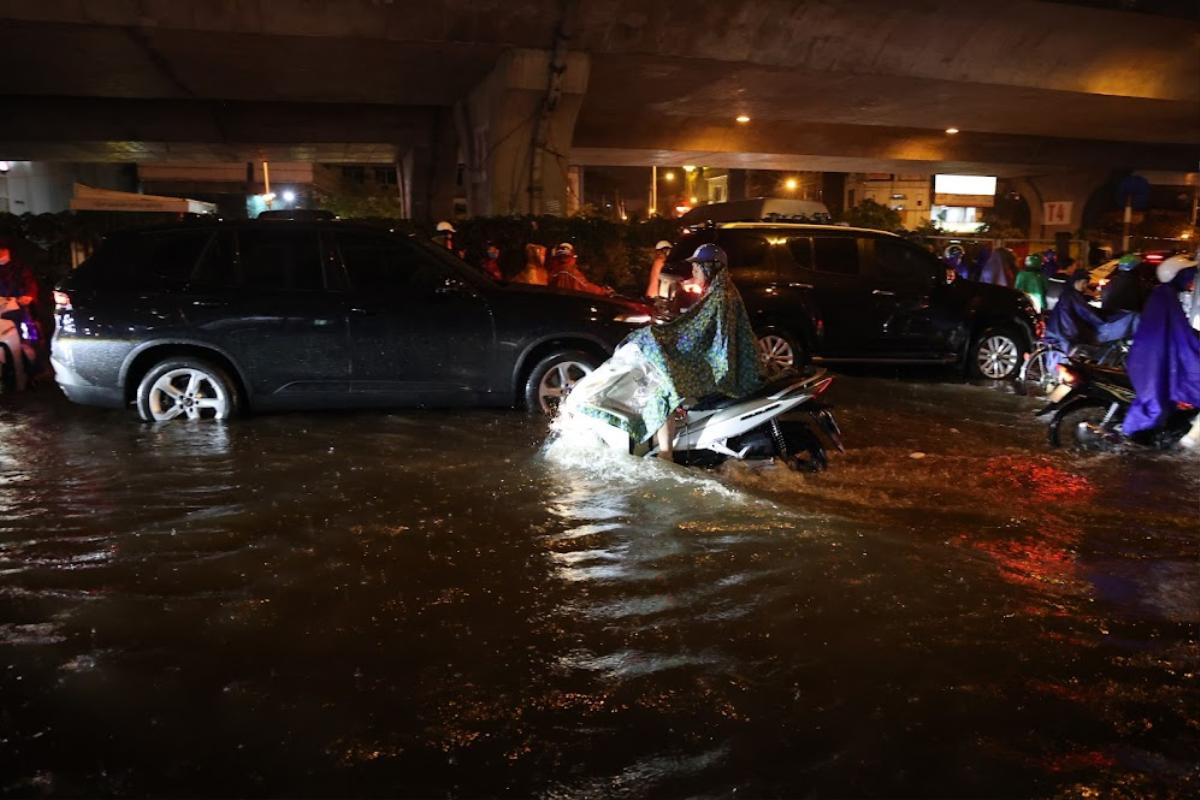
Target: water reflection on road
(432,603)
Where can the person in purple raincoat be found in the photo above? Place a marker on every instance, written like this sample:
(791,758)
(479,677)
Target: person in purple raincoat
(1164,361)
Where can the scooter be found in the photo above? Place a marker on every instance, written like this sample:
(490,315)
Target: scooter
(784,418)
(18,346)
(1089,405)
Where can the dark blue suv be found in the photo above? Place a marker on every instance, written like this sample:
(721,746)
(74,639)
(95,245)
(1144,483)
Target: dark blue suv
(830,293)
(202,320)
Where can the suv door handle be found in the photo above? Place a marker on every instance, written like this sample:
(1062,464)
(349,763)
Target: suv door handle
(209,303)
(883,293)
(796,285)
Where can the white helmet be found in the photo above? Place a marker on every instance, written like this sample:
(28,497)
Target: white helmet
(663,245)
(1174,265)
(445,227)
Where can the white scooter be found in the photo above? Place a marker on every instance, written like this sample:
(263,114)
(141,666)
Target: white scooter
(783,419)
(17,353)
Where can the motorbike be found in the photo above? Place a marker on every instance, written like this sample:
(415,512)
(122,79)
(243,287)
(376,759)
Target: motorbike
(1090,403)
(18,345)
(784,419)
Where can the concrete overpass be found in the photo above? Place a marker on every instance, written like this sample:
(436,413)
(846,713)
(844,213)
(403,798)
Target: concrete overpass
(519,89)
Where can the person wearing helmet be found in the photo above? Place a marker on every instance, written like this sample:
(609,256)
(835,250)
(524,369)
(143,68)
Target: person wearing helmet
(954,256)
(710,349)
(1164,360)
(444,235)
(565,272)
(661,251)
(1032,282)
(1124,292)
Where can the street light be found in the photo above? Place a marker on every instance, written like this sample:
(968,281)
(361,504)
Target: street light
(289,196)
(742,119)
(689,168)
(791,184)
(951,131)
(668,176)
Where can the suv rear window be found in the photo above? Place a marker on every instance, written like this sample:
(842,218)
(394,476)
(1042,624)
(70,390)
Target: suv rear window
(155,260)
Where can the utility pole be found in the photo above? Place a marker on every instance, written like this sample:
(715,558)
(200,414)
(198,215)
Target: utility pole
(654,192)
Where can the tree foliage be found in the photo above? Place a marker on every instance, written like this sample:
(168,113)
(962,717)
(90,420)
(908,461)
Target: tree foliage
(873,215)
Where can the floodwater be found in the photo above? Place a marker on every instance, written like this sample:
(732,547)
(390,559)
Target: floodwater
(431,603)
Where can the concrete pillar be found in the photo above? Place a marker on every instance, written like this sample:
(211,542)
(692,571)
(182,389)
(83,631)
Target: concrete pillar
(527,97)
(1057,201)
(737,184)
(429,172)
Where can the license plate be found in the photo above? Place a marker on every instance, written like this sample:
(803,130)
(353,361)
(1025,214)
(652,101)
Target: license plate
(1060,391)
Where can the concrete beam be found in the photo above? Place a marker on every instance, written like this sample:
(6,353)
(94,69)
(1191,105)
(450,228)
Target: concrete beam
(721,142)
(1079,49)
(110,129)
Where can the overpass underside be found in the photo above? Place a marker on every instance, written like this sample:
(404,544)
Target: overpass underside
(517,93)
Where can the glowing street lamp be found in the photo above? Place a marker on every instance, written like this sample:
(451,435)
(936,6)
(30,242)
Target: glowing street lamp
(791,184)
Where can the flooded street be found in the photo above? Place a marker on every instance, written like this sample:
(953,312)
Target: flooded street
(434,603)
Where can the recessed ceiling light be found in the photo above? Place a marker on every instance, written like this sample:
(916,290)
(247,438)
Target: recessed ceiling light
(951,131)
(742,118)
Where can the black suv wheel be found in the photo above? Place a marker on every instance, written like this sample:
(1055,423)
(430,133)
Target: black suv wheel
(996,354)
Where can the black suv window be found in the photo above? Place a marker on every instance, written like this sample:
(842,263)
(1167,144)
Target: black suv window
(287,260)
(168,259)
(216,269)
(901,262)
(744,248)
(375,263)
(837,254)
(801,250)
(154,260)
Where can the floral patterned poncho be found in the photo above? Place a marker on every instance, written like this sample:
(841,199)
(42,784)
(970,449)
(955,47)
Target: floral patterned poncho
(710,349)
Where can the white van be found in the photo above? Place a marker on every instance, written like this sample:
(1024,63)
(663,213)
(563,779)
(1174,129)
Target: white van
(758,209)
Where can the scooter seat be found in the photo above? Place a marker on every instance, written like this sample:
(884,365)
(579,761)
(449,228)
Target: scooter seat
(715,402)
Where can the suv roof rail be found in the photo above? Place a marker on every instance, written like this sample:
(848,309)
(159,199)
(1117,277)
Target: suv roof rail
(307,214)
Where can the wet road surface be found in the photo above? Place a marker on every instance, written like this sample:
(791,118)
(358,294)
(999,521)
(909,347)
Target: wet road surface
(436,604)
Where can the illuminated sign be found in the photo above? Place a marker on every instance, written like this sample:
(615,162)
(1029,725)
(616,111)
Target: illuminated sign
(965,184)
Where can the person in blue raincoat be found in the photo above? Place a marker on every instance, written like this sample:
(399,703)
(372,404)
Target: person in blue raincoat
(1073,321)
(1164,361)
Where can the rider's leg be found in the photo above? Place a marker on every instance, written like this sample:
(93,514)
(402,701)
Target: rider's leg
(663,438)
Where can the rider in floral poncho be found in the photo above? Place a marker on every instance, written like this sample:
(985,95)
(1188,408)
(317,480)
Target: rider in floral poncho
(710,349)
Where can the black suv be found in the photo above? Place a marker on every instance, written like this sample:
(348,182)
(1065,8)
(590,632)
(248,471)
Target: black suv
(201,320)
(831,293)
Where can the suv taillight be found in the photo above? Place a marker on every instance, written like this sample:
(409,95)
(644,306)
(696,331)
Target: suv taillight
(62,301)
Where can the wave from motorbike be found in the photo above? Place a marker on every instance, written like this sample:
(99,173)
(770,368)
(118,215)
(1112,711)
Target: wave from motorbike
(783,419)
(1090,403)
(18,344)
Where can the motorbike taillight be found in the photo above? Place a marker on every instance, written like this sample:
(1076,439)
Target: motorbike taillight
(62,301)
